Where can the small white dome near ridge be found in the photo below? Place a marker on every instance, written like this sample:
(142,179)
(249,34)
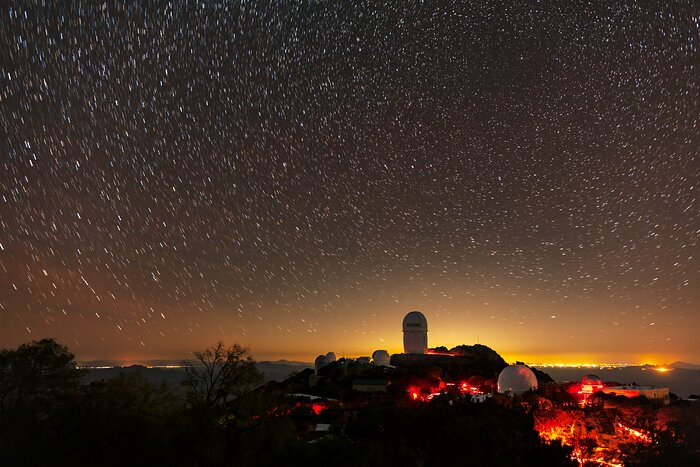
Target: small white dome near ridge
(381,358)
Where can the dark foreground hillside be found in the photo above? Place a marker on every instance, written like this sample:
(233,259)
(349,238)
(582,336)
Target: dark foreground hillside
(227,416)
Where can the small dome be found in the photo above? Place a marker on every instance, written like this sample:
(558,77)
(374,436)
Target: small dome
(591,380)
(516,379)
(330,356)
(320,362)
(415,321)
(381,358)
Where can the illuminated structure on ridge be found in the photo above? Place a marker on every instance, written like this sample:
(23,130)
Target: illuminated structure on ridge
(591,384)
(415,333)
(516,379)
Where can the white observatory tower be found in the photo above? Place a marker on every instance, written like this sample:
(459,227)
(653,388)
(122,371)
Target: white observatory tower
(415,333)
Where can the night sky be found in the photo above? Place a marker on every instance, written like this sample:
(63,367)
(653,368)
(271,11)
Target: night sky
(296,177)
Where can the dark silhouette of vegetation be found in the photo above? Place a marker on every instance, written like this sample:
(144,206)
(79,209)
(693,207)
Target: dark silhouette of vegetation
(443,432)
(635,431)
(228,418)
(39,384)
(220,375)
(35,374)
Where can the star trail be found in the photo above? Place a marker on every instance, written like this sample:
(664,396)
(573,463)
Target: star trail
(296,176)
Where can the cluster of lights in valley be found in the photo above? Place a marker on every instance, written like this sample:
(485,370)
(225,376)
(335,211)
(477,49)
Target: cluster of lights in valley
(295,177)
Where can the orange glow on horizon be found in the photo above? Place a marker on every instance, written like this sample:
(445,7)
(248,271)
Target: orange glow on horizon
(562,361)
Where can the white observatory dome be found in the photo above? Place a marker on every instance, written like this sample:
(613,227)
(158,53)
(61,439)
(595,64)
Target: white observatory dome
(320,362)
(415,333)
(592,380)
(516,379)
(381,358)
(330,356)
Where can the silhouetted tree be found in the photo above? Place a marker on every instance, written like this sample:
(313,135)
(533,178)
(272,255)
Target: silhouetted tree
(221,374)
(36,373)
(39,383)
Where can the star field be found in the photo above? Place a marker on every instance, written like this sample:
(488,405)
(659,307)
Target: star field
(295,176)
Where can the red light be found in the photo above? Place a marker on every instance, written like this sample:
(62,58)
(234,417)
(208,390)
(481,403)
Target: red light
(414,395)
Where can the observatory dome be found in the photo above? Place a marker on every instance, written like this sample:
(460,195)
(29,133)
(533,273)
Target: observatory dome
(592,380)
(381,358)
(516,379)
(320,362)
(415,333)
(415,321)
(330,357)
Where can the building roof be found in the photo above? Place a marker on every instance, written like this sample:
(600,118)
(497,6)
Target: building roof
(415,321)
